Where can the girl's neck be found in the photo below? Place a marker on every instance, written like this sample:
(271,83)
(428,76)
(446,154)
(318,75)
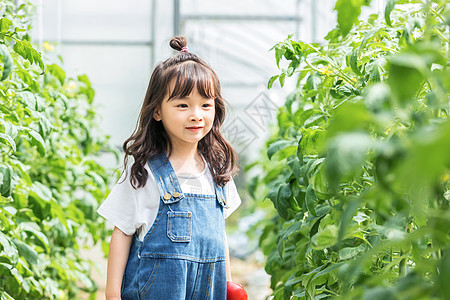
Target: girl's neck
(186,160)
(184,153)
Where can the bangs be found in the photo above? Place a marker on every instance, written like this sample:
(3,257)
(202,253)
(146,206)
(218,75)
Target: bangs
(190,75)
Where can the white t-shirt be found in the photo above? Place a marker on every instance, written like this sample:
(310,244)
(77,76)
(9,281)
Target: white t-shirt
(130,210)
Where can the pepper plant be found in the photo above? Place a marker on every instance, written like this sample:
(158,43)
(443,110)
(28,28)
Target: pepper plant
(50,181)
(358,166)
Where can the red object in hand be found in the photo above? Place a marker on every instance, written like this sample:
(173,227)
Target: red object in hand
(235,291)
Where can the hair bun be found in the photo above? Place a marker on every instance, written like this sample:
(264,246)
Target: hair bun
(178,42)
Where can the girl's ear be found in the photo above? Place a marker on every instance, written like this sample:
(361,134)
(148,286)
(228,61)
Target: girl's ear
(156,114)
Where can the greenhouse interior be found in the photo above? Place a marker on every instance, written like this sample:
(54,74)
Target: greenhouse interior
(318,169)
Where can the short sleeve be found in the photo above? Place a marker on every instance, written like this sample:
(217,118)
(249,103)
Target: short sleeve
(233,198)
(120,207)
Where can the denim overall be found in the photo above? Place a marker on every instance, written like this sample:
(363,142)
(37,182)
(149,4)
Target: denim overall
(182,255)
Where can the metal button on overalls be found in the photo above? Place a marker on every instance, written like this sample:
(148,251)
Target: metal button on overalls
(182,255)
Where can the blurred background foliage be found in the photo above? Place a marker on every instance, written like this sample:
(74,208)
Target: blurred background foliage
(50,182)
(357,166)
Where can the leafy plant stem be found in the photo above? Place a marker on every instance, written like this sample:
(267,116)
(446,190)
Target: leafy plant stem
(329,291)
(437,14)
(342,75)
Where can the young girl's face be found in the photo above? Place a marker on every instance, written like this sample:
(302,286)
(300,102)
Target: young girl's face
(186,120)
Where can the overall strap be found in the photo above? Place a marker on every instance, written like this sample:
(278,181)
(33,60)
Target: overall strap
(169,187)
(220,194)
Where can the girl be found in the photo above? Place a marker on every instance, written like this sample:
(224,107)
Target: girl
(169,237)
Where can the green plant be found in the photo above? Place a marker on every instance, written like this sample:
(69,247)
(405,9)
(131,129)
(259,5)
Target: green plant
(50,184)
(358,168)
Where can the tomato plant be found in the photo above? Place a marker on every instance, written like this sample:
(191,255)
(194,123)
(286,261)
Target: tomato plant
(50,182)
(358,168)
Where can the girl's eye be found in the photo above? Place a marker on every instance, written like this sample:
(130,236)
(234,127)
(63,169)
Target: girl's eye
(204,105)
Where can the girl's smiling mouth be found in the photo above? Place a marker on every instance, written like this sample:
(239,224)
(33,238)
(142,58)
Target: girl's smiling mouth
(195,128)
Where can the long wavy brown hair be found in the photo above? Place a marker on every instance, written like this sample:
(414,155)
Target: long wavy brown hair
(150,138)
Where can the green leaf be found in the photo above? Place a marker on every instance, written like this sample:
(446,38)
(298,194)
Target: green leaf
(279,52)
(5,24)
(5,180)
(3,201)
(311,200)
(8,62)
(407,73)
(11,129)
(378,97)
(348,12)
(287,152)
(310,169)
(320,183)
(350,208)
(295,166)
(40,191)
(312,140)
(312,120)
(349,252)
(387,11)
(58,72)
(325,238)
(40,106)
(271,81)
(9,141)
(429,150)
(367,36)
(342,122)
(375,69)
(57,211)
(273,194)
(36,140)
(346,153)
(278,146)
(353,60)
(291,227)
(45,126)
(5,296)
(24,49)
(326,270)
(26,251)
(8,249)
(290,71)
(293,281)
(87,282)
(281,79)
(313,81)
(29,99)
(282,205)
(444,268)
(35,230)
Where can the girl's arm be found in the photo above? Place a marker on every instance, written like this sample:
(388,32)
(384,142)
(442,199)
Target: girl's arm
(227,259)
(119,249)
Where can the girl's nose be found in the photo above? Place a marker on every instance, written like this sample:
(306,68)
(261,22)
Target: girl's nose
(196,116)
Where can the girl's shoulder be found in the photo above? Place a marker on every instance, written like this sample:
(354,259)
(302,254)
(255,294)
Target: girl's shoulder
(124,184)
(127,172)
(126,207)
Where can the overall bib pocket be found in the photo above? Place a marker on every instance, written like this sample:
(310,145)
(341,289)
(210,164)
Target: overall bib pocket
(179,226)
